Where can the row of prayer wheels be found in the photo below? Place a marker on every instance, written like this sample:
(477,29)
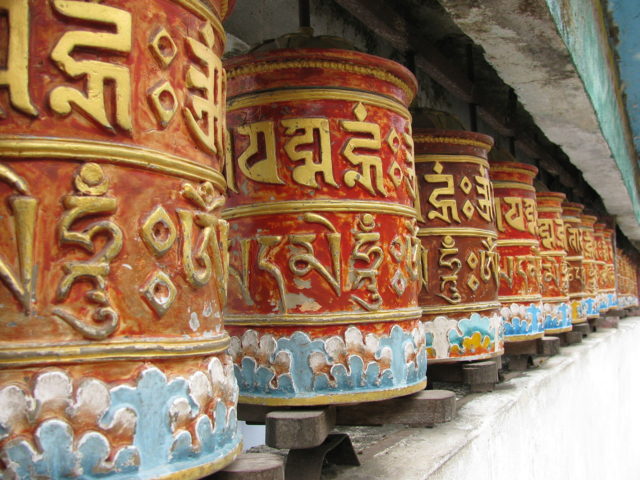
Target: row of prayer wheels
(350,248)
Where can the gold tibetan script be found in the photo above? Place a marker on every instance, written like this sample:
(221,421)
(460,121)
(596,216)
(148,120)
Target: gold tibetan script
(96,73)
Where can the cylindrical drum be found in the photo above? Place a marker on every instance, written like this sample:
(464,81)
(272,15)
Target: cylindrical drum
(518,247)
(112,250)
(575,272)
(324,267)
(602,303)
(460,276)
(554,279)
(610,271)
(590,264)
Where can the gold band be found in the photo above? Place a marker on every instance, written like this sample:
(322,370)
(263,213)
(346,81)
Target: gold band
(517,242)
(549,209)
(337,318)
(457,232)
(349,397)
(558,330)
(553,253)
(21,355)
(340,66)
(497,167)
(104,152)
(521,186)
(197,7)
(299,206)
(574,259)
(202,471)
(564,299)
(467,307)
(451,141)
(522,338)
(577,295)
(313,94)
(535,298)
(428,158)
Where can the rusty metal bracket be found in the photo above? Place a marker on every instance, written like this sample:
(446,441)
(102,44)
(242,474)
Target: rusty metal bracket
(306,463)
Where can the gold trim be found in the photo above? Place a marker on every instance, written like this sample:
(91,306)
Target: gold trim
(562,299)
(334,399)
(534,298)
(299,206)
(20,355)
(575,258)
(467,307)
(313,94)
(201,471)
(497,167)
(553,253)
(577,295)
(336,318)
(517,242)
(549,209)
(451,140)
(522,338)
(105,152)
(198,8)
(428,158)
(266,67)
(469,358)
(457,232)
(551,331)
(521,186)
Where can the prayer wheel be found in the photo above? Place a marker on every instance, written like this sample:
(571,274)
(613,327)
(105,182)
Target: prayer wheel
(602,302)
(571,216)
(518,247)
(610,270)
(590,264)
(324,253)
(113,358)
(460,277)
(554,280)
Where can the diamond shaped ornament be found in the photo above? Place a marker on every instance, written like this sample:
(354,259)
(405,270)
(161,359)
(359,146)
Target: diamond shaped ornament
(160,292)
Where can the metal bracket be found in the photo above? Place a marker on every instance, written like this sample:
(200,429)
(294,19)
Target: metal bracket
(306,463)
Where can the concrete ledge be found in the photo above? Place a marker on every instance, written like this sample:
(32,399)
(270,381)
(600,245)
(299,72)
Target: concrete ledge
(577,416)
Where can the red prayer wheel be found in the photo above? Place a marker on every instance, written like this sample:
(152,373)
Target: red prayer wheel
(113,358)
(602,303)
(518,247)
(571,216)
(460,276)
(610,271)
(324,255)
(590,303)
(554,279)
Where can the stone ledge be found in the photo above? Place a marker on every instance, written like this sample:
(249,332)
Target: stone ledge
(574,417)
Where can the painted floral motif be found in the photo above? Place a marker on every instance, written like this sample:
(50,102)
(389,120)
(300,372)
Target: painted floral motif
(467,337)
(522,319)
(161,424)
(557,316)
(298,366)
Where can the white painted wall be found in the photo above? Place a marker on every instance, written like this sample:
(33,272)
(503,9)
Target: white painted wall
(577,417)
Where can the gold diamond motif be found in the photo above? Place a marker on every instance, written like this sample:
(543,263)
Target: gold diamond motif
(465,185)
(399,283)
(393,140)
(472,260)
(437,168)
(473,283)
(163,48)
(395,172)
(468,209)
(164,102)
(160,292)
(360,112)
(158,231)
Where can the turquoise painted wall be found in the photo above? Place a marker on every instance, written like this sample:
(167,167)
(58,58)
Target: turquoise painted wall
(581,26)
